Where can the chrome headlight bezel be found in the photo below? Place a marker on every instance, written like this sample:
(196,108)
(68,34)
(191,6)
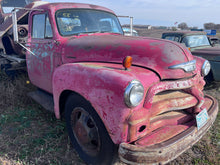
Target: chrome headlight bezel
(206,67)
(130,93)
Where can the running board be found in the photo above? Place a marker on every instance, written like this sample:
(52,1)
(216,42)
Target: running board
(43,98)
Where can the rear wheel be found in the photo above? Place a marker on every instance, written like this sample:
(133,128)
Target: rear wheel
(87,132)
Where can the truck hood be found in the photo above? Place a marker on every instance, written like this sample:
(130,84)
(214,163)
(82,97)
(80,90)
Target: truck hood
(211,53)
(154,54)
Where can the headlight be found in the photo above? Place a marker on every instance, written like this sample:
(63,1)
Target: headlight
(134,93)
(206,68)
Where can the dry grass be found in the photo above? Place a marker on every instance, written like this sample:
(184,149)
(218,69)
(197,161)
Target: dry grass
(31,135)
(218,35)
(28,133)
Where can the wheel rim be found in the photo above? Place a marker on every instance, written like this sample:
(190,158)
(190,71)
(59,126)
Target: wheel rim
(85,131)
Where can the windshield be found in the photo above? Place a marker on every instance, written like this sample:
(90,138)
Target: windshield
(196,41)
(75,22)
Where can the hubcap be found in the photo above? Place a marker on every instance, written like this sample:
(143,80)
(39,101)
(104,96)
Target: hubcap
(85,131)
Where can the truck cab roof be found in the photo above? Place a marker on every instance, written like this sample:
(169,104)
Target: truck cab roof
(67,5)
(183,33)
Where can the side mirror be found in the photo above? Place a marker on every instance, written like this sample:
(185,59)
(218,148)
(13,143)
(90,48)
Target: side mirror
(15,27)
(15,31)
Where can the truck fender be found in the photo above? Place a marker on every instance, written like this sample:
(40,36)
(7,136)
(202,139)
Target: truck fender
(103,85)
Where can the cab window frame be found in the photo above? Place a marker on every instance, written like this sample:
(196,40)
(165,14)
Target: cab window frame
(46,19)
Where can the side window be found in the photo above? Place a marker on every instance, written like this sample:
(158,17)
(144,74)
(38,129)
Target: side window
(185,41)
(41,27)
(177,39)
(172,38)
(38,26)
(48,32)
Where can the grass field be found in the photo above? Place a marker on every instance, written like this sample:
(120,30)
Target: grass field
(28,133)
(31,135)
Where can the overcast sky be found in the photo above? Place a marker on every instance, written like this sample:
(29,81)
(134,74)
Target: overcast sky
(162,12)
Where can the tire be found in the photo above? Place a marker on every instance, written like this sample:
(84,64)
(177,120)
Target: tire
(87,132)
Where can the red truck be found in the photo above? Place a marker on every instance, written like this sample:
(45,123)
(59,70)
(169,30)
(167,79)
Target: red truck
(139,97)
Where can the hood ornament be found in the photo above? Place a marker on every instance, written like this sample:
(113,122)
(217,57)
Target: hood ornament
(186,66)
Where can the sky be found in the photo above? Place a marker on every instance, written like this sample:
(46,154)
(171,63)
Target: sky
(162,12)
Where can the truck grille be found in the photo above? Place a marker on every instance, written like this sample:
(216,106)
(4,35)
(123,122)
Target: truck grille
(169,115)
(167,101)
(171,108)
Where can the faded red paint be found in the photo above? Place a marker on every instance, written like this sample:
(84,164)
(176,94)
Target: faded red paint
(91,65)
(105,92)
(150,53)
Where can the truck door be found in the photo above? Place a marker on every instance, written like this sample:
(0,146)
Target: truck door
(42,63)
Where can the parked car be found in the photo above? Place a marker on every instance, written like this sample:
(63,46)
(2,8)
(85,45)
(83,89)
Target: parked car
(200,45)
(127,32)
(137,97)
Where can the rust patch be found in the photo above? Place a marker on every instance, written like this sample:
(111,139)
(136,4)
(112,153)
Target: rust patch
(172,101)
(162,134)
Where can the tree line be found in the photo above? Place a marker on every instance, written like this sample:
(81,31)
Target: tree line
(208,26)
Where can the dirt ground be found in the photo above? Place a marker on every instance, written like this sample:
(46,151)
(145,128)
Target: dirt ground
(30,135)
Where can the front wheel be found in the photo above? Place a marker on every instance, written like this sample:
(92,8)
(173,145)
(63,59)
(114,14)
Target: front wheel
(87,132)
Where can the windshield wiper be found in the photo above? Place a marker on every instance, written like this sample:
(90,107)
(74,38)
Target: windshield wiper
(93,32)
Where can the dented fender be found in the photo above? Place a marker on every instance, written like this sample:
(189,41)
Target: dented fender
(103,85)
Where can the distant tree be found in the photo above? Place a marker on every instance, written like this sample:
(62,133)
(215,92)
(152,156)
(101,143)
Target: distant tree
(217,26)
(173,28)
(209,25)
(183,26)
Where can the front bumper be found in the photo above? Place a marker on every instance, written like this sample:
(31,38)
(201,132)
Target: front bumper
(166,151)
